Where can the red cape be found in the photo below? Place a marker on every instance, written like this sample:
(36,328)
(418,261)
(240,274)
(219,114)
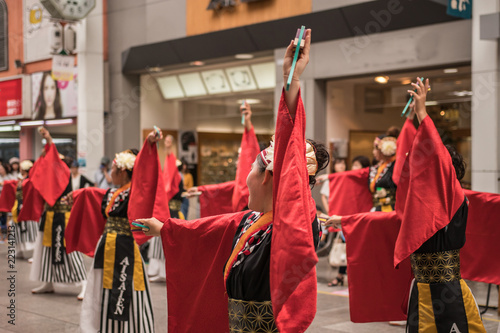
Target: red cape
(147,192)
(426,200)
(33,203)
(381,294)
(349,193)
(50,175)
(86,223)
(195,254)
(479,256)
(293,256)
(8,196)
(171,176)
(249,151)
(405,140)
(216,199)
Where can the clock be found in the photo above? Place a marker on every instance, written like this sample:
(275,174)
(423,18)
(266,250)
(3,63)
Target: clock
(71,10)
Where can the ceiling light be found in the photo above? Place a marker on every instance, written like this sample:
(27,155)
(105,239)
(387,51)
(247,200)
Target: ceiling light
(197,63)
(382,79)
(406,81)
(59,122)
(31,123)
(9,128)
(431,103)
(8,122)
(154,69)
(244,56)
(442,113)
(249,101)
(450,70)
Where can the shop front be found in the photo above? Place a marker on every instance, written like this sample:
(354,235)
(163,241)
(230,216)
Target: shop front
(360,108)
(200,107)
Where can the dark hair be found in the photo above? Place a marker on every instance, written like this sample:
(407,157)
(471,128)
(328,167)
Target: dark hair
(322,157)
(40,106)
(135,152)
(458,161)
(363,160)
(393,131)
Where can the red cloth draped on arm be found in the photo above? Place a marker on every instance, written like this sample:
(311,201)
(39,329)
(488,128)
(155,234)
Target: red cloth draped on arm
(216,199)
(86,222)
(381,294)
(8,196)
(50,176)
(33,203)
(195,254)
(349,193)
(249,151)
(293,257)
(405,140)
(147,191)
(427,200)
(479,256)
(171,176)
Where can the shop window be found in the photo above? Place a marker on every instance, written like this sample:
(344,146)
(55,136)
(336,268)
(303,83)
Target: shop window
(4,50)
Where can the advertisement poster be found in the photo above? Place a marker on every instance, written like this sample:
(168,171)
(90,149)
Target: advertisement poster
(11,98)
(52,99)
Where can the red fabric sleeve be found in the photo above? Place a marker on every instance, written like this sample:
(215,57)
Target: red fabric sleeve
(8,195)
(216,199)
(195,254)
(171,176)
(50,177)
(86,223)
(349,193)
(147,191)
(293,257)
(426,200)
(249,151)
(405,140)
(479,256)
(33,203)
(381,294)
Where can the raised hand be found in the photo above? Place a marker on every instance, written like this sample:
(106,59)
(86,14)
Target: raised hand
(420,96)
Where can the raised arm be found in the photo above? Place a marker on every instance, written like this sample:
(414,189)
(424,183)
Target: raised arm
(291,96)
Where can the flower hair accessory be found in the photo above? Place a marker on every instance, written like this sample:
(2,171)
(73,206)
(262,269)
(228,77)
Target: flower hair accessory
(312,163)
(387,146)
(267,156)
(124,160)
(26,165)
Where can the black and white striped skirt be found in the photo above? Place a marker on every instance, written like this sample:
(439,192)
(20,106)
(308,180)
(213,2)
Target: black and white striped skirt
(94,313)
(26,231)
(72,270)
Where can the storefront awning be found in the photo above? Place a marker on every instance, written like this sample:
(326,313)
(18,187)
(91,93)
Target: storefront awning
(351,21)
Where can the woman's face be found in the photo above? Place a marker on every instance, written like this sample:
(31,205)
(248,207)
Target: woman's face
(356,165)
(339,166)
(116,175)
(15,167)
(377,154)
(49,91)
(2,171)
(255,188)
(168,141)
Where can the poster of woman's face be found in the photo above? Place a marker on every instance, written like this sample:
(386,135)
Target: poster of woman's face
(53,99)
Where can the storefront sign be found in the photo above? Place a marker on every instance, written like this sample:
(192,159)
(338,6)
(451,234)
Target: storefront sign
(36,21)
(11,98)
(53,99)
(460,8)
(63,67)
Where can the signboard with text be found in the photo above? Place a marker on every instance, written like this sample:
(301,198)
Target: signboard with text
(11,98)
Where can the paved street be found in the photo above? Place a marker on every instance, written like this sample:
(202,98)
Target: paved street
(60,312)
